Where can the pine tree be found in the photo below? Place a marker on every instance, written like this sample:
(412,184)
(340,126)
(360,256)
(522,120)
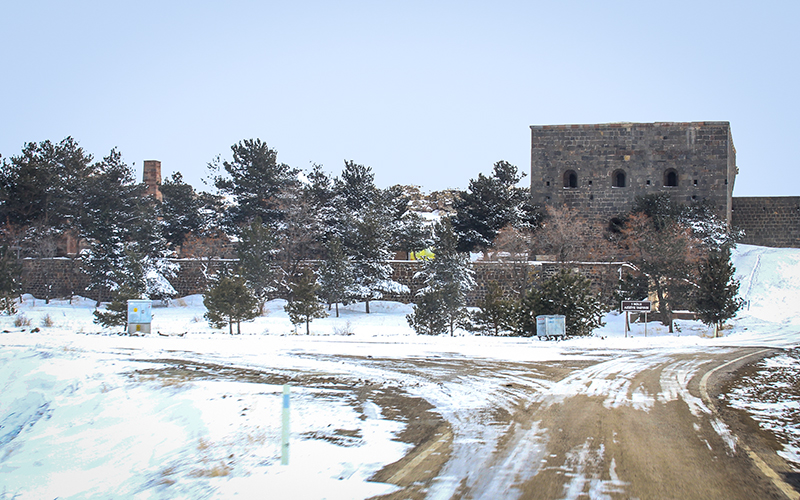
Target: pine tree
(45,184)
(426,317)
(256,252)
(356,186)
(716,295)
(148,255)
(364,223)
(230,301)
(494,312)
(326,203)
(304,305)
(336,276)
(126,239)
(407,230)
(111,205)
(631,286)
(255,180)
(448,274)
(116,311)
(566,293)
(370,256)
(184,211)
(490,204)
(9,280)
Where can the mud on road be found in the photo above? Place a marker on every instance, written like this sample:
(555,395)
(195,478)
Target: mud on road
(629,426)
(615,425)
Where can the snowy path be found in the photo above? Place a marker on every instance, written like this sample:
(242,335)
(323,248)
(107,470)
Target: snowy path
(524,430)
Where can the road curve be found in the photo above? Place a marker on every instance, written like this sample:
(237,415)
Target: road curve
(612,425)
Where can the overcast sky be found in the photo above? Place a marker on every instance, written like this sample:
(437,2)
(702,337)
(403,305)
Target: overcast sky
(426,93)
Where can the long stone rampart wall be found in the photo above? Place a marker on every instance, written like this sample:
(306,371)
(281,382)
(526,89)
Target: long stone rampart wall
(768,221)
(62,277)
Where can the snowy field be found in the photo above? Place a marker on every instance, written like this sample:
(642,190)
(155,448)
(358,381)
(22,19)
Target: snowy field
(87,413)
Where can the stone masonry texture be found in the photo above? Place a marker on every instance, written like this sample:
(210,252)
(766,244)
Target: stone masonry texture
(600,169)
(62,277)
(768,221)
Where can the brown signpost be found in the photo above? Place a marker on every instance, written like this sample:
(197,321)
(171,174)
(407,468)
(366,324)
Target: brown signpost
(629,306)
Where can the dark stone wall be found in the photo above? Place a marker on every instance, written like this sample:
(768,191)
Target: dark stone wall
(52,278)
(510,277)
(62,277)
(700,154)
(768,221)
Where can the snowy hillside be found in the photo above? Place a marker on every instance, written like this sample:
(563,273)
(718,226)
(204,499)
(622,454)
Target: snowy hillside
(770,282)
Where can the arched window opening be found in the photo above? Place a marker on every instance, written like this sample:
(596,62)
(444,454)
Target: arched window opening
(671,178)
(618,179)
(570,179)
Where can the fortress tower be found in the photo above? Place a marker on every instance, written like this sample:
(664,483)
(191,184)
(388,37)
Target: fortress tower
(599,170)
(151,177)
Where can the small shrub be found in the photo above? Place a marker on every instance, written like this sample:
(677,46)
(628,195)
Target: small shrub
(21,320)
(48,321)
(230,301)
(426,317)
(116,311)
(8,305)
(346,329)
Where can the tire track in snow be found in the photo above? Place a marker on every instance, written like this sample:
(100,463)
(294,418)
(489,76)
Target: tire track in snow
(612,379)
(21,413)
(500,474)
(753,276)
(498,440)
(584,467)
(675,379)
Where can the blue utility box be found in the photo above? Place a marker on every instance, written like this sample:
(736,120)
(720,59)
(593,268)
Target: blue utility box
(551,326)
(140,316)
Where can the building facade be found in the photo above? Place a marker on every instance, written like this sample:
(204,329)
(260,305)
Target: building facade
(600,169)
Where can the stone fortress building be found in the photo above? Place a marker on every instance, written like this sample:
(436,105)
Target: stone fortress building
(600,169)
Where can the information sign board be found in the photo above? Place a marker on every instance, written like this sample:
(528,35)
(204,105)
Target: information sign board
(636,306)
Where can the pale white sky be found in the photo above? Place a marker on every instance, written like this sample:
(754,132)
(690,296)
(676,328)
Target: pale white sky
(426,93)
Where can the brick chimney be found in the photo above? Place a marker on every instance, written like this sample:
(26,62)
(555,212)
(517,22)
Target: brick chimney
(151,177)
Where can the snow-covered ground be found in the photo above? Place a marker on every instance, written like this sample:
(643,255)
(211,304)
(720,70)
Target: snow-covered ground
(85,412)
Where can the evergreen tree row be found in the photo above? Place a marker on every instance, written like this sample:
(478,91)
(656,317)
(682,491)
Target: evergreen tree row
(281,218)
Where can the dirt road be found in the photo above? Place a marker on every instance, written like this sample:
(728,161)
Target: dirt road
(610,425)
